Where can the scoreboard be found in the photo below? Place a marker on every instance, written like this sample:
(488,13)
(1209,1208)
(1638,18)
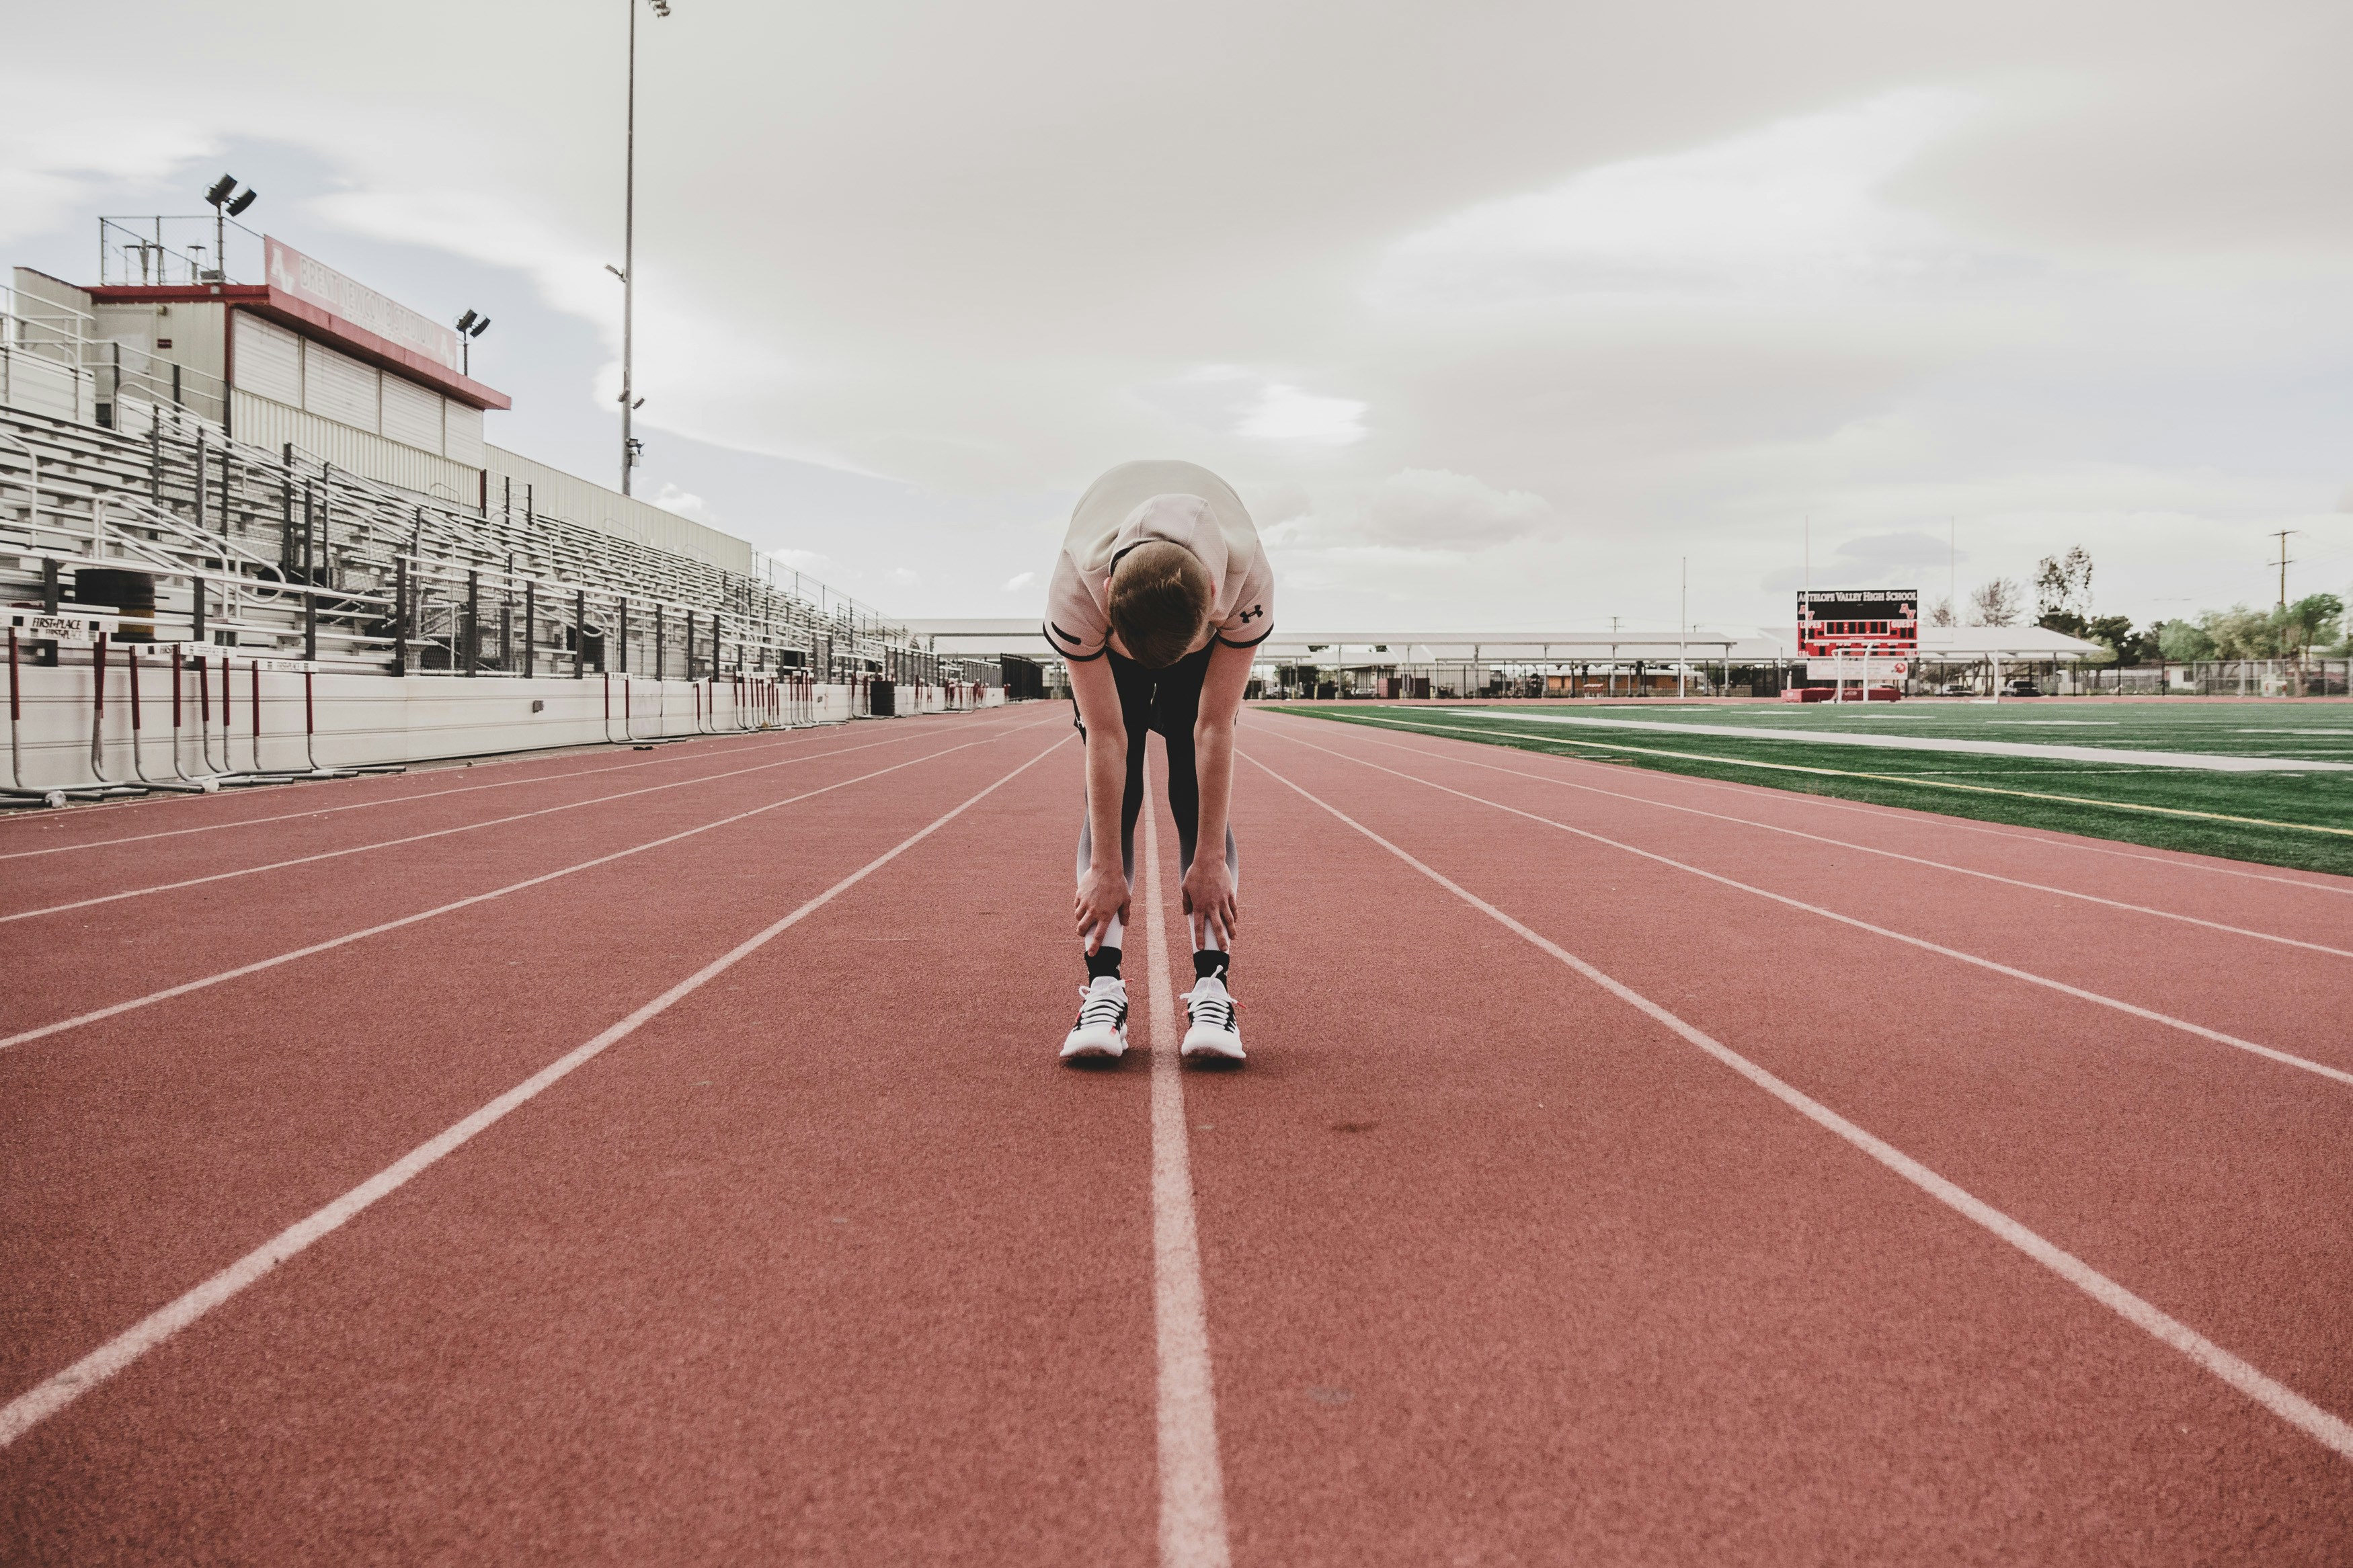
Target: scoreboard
(1838,628)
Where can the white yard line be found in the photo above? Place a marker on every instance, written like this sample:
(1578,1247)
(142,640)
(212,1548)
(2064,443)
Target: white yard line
(44,1399)
(2204,762)
(1909,817)
(26,1036)
(2131,1008)
(2323,1426)
(1874,850)
(1192,1487)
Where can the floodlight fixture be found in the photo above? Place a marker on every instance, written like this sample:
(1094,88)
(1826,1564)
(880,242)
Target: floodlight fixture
(471,325)
(640,403)
(616,272)
(217,196)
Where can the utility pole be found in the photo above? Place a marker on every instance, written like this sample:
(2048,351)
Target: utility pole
(1682,633)
(628,267)
(2281,535)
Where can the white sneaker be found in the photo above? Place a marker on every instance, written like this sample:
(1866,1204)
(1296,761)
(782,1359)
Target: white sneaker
(1213,1033)
(1101,1028)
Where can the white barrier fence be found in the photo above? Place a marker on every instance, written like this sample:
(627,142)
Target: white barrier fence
(175,716)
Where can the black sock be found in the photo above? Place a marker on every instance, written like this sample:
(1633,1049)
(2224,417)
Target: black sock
(1102,964)
(1211,963)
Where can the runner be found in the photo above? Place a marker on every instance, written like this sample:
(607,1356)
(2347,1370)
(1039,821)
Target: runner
(1159,598)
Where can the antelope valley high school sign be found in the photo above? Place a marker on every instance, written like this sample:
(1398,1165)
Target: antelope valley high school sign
(316,283)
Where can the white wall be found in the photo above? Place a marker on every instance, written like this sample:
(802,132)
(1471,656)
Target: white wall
(591,505)
(365,719)
(308,377)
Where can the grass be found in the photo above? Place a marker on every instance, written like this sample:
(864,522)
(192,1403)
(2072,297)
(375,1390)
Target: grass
(2303,820)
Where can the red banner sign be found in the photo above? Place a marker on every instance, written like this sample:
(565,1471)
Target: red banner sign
(318,284)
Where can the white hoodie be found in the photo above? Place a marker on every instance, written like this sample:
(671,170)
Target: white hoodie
(1185,504)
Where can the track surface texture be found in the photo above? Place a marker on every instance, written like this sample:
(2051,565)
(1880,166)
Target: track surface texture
(663,1159)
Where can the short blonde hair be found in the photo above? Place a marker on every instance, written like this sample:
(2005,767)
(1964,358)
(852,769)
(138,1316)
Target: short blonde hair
(1160,601)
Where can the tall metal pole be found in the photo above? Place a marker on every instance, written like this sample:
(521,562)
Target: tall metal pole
(628,247)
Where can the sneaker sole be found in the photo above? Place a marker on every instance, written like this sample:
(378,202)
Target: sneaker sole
(1076,1047)
(1224,1043)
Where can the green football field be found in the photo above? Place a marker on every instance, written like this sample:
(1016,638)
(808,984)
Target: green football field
(2293,817)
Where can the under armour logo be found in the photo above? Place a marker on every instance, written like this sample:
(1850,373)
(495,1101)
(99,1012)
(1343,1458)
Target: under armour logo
(1253,612)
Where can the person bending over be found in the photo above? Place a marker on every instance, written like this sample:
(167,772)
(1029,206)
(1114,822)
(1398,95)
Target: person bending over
(1160,595)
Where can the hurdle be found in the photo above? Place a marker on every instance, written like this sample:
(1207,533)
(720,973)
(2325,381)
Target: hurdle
(183,785)
(16,793)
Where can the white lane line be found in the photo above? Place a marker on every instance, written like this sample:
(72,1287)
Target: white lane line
(801,756)
(44,1399)
(1192,1487)
(27,1036)
(2133,1009)
(2323,1426)
(1870,849)
(2206,761)
(1909,818)
(353,805)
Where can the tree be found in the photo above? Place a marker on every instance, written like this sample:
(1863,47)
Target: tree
(1940,614)
(2311,619)
(2063,587)
(1996,604)
(2115,634)
(2240,633)
(2183,642)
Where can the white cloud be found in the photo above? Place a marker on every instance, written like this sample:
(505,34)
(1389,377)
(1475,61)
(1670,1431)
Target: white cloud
(1285,413)
(672,499)
(65,147)
(1234,401)
(1415,512)
(1018,582)
(1797,203)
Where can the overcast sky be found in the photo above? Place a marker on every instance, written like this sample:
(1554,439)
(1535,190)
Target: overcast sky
(1494,314)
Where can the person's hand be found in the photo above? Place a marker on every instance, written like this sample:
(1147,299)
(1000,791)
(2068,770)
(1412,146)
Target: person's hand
(1102,894)
(1209,900)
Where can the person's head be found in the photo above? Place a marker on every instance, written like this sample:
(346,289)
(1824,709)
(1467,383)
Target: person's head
(1160,601)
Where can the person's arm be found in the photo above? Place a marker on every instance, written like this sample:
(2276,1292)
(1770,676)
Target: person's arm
(1103,886)
(1209,886)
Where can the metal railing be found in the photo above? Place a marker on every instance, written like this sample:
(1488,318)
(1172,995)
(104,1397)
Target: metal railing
(52,360)
(171,250)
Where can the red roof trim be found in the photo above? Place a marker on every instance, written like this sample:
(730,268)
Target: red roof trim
(301,316)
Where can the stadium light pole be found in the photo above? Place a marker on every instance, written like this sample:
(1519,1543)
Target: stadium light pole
(628,267)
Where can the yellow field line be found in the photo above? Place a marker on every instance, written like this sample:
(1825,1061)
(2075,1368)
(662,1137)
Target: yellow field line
(1522,737)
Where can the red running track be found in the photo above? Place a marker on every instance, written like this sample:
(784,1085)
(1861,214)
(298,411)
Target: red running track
(789,1241)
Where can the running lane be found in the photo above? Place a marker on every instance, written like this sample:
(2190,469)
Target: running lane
(1500,1271)
(2291,997)
(146,1149)
(105,953)
(28,834)
(2299,903)
(829,1263)
(2207,1179)
(305,824)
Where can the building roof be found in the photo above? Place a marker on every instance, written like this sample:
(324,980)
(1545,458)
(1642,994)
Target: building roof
(1020,635)
(311,321)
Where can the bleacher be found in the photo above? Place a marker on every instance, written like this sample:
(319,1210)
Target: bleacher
(255,549)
